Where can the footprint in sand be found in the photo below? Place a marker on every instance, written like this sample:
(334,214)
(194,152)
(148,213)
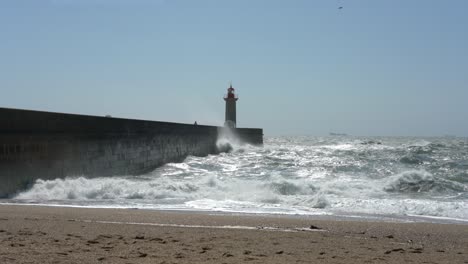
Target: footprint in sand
(227,255)
(417,250)
(107,248)
(395,250)
(204,250)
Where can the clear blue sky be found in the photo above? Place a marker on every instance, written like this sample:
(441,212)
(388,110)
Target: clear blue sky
(375,67)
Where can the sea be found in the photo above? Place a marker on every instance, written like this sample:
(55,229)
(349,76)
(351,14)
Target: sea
(386,178)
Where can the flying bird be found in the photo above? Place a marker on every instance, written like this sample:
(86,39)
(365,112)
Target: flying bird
(340,7)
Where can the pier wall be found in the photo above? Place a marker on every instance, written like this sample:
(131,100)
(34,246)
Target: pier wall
(43,145)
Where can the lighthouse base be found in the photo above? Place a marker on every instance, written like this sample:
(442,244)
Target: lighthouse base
(230,124)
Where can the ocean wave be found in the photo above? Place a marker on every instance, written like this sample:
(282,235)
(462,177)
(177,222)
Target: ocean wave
(416,159)
(422,182)
(289,175)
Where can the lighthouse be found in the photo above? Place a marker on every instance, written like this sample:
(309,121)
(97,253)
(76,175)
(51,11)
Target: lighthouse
(230,99)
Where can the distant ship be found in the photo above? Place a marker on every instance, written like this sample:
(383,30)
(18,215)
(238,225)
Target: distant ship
(337,134)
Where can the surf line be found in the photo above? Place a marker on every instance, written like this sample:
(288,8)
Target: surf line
(264,228)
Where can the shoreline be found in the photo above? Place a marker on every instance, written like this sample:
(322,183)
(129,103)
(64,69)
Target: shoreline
(344,216)
(43,234)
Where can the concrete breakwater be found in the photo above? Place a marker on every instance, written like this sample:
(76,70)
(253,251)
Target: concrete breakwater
(44,145)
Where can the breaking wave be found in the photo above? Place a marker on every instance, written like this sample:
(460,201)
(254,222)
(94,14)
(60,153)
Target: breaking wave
(423,182)
(290,175)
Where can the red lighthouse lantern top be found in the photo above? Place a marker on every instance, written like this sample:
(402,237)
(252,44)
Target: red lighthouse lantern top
(231,93)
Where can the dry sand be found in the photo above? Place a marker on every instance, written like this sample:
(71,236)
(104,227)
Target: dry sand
(34,234)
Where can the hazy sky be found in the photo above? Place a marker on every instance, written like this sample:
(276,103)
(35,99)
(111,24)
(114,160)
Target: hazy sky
(375,67)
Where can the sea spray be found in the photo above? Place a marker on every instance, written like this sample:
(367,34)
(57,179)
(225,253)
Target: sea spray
(227,139)
(289,175)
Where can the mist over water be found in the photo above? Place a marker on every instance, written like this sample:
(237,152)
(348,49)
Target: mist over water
(291,175)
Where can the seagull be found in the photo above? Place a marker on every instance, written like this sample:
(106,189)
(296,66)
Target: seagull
(340,7)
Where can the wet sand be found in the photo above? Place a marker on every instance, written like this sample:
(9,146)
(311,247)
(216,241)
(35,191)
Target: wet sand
(34,234)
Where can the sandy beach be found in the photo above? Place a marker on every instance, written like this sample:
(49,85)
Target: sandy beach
(36,234)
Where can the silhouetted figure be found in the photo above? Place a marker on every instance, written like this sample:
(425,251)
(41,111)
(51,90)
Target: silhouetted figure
(195,123)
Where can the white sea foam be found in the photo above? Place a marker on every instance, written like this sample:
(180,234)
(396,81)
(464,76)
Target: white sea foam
(287,176)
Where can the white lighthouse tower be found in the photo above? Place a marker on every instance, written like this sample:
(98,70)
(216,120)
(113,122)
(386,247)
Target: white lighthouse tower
(231,99)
